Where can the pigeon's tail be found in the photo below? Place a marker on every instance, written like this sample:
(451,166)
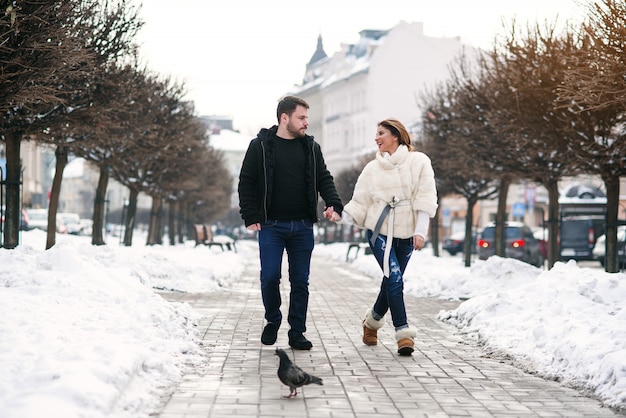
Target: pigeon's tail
(316,380)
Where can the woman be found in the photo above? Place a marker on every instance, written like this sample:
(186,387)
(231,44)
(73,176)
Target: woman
(393,199)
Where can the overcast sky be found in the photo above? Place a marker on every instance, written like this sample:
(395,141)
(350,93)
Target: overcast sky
(237,57)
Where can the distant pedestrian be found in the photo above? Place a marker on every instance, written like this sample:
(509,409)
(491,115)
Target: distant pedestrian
(394,197)
(282,176)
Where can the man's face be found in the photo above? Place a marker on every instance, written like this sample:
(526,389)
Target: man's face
(298,122)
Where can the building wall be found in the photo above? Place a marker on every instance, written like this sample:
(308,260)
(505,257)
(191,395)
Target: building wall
(37,163)
(403,66)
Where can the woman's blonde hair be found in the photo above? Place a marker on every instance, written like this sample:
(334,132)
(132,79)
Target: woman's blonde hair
(397,129)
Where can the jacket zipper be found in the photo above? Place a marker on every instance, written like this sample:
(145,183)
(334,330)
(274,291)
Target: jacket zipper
(264,182)
(314,177)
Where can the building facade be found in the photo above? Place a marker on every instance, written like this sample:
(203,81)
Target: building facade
(383,75)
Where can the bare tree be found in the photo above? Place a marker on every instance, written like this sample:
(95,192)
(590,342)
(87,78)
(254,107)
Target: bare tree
(452,136)
(597,80)
(115,124)
(595,88)
(209,196)
(39,51)
(523,74)
(108,33)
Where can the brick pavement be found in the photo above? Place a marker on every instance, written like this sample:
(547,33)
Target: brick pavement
(445,377)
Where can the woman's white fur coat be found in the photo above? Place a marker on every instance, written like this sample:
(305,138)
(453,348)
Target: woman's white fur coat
(403,175)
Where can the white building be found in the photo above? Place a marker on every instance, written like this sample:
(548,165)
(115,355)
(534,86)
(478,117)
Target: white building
(382,75)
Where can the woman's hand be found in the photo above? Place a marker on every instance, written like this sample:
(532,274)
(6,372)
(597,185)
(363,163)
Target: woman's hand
(418,242)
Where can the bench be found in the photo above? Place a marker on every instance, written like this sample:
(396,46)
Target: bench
(203,234)
(358,246)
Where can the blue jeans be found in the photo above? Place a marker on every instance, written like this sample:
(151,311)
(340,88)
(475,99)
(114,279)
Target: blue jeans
(297,238)
(391,295)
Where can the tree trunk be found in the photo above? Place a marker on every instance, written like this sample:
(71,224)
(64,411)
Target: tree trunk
(130,218)
(12,182)
(553,222)
(97,237)
(611,257)
(61,161)
(434,233)
(158,239)
(171,222)
(469,220)
(180,222)
(185,209)
(500,238)
(153,226)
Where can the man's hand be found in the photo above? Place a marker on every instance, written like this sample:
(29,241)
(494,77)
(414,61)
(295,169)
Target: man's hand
(254,227)
(331,215)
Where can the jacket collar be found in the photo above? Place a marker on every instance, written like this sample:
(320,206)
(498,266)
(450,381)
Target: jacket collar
(389,162)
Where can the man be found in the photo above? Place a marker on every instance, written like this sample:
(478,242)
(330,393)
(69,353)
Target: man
(282,176)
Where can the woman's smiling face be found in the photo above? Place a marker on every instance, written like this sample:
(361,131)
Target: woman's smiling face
(385,140)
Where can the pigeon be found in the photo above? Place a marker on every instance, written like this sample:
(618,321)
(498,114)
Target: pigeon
(292,375)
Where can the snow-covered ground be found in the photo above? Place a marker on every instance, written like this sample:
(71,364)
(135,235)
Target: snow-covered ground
(85,333)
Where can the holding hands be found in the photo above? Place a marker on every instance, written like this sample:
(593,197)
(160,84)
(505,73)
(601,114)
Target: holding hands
(331,215)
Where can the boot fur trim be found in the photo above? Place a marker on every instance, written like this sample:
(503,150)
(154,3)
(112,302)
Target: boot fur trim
(409,332)
(371,323)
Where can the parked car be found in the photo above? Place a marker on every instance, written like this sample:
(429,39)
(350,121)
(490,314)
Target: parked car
(519,243)
(454,243)
(38,219)
(72,222)
(600,247)
(577,237)
(86,227)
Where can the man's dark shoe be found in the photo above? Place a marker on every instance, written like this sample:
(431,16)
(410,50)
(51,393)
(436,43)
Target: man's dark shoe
(299,342)
(270,333)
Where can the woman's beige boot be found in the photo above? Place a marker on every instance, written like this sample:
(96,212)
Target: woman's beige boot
(405,338)
(371,327)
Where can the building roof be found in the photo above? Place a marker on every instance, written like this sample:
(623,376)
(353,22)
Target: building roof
(319,53)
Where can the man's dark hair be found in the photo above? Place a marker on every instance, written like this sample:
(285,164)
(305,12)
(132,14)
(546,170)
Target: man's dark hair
(288,105)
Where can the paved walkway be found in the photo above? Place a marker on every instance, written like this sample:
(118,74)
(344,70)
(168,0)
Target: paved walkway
(445,377)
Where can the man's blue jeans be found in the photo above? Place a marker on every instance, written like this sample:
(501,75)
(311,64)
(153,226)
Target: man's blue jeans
(391,295)
(296,237)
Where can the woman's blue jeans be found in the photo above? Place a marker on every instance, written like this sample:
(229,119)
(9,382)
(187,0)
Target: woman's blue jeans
(391,295)
(296,237)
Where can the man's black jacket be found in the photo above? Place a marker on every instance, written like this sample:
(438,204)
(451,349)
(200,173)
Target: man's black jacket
(257,177)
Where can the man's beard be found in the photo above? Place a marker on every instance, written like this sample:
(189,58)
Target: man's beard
(295,132)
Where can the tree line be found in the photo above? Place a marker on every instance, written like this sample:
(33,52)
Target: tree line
(71,79)
(542,104)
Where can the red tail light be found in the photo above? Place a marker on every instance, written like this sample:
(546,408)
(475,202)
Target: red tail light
(483,244)
(590,237)
(518,243)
